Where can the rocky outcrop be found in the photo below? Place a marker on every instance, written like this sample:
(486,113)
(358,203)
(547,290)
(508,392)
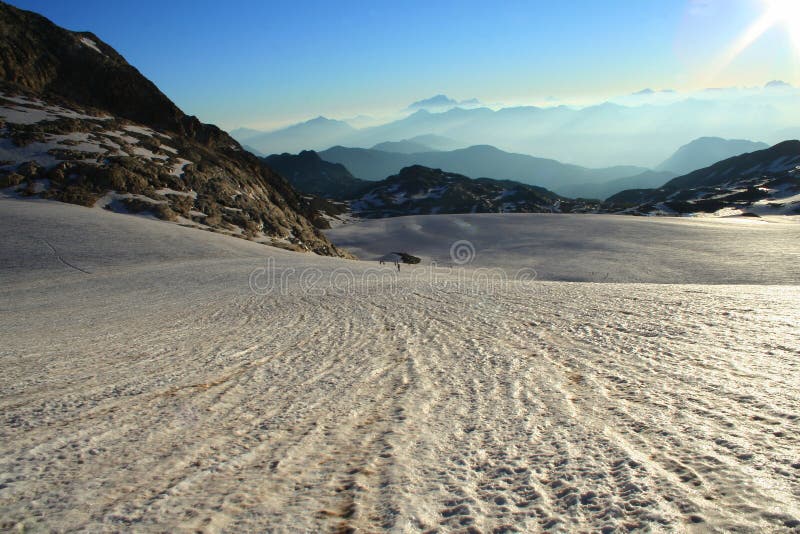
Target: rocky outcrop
(419,190)
(762,182)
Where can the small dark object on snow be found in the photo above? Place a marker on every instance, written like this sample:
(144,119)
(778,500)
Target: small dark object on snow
(407,258)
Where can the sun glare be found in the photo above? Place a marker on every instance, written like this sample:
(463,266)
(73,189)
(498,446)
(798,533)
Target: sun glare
(785,13)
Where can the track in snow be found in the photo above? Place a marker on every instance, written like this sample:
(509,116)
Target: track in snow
(155,394)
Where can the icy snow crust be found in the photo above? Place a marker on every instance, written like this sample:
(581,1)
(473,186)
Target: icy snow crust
(594,248)
(145,387)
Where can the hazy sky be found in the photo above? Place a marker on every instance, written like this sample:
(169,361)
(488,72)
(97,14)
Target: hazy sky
(267,63)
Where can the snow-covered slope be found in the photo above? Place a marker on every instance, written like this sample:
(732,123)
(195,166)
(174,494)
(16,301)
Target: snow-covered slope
(600,248)
(145,387)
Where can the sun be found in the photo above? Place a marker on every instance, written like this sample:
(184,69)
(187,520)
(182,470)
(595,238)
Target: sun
(787,8)
(785,13)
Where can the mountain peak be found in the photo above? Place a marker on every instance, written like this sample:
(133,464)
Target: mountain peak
(321,119)
(778,84)
(485,149)
(441,102)
(434,101)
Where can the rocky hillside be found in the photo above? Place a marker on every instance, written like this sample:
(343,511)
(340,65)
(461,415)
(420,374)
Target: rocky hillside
(417,190)
(81,125)
(308,173)
(776,159)
(760,183)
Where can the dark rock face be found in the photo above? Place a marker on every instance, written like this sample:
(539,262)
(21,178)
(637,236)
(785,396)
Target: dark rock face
(92,94)
(53,62)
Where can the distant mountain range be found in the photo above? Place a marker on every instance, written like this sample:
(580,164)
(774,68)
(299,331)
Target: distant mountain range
(314,134)
(643,134)
(706,151)
(81,125)
(571,181)
(420,143)
(475,162)
(762,182)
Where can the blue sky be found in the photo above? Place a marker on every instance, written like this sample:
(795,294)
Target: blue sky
(262,63)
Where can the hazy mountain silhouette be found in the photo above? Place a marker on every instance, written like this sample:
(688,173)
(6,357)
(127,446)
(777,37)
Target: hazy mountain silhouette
(606,134)
(603,190)
(405,146)
(316,133)
(476,161)
(442,103)
(253,150)
(778,84)
(705,151)
(437,101)
(308,173)
(243,134)
(437,142)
